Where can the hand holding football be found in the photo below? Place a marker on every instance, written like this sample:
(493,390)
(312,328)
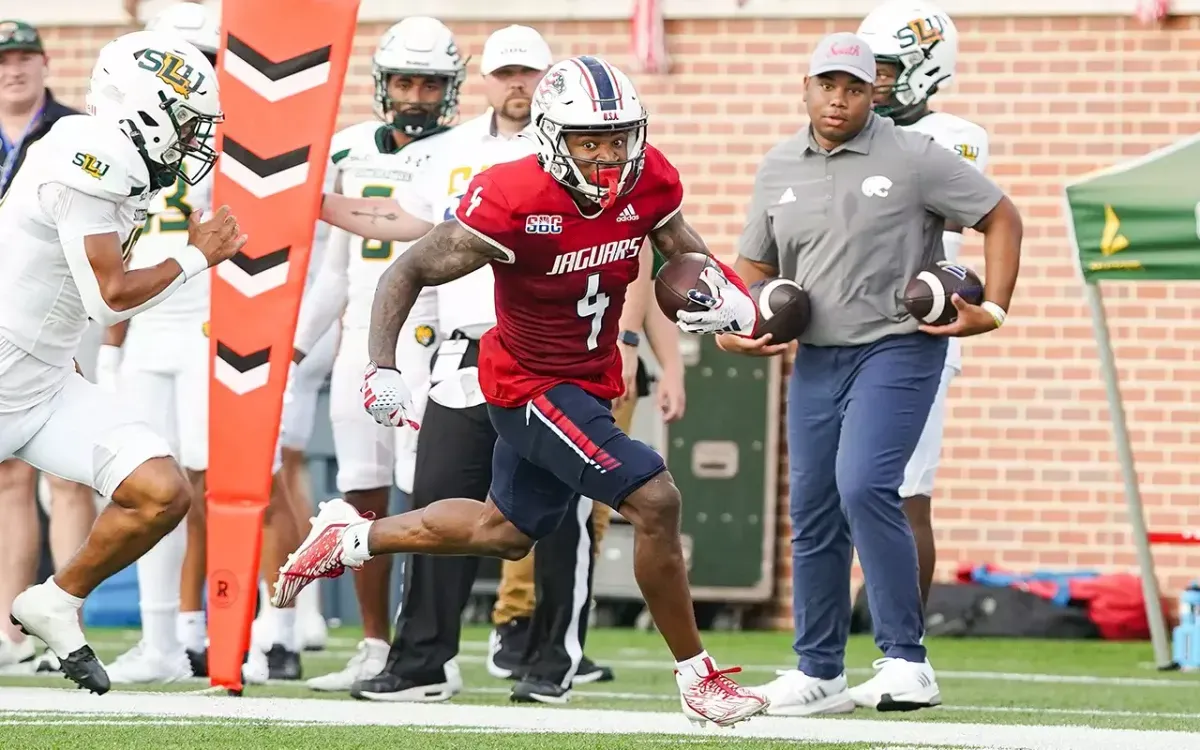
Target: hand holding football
(927,296)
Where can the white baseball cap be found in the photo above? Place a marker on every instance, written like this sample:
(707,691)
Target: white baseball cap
(515,45)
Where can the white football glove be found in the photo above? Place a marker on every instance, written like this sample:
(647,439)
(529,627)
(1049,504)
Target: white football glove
(729,310)
(108,364)
(386,397)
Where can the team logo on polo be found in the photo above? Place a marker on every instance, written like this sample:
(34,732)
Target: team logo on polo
(171,70)
(90,165)
(876,187)
(424,335)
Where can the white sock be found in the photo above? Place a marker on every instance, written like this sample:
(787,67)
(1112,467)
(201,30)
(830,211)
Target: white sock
(308,601)
(192,630)
(280,625)
(61,596)
(158,572)
(700,665)
(354,544)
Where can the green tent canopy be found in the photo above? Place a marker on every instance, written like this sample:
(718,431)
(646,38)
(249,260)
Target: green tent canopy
(1136,221)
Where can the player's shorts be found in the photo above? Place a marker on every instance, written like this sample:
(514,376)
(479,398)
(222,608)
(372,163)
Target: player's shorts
(367,453)
(922,467)
(81,433)
(170,391)
(562,444)
(300,411)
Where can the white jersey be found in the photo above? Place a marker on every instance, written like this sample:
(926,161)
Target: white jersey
(84,177)
(166,232)
(370,166)
(970,141)
(448,163)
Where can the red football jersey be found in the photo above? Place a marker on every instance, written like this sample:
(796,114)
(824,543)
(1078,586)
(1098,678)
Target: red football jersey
(560,293)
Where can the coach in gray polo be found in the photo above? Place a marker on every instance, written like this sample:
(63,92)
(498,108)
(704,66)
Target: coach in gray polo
(852,207)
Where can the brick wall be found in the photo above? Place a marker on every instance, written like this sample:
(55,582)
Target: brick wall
(1029,477)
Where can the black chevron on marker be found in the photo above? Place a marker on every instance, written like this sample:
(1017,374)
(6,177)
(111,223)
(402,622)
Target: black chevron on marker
(271,165)
(255,266)
(282,69)
(246,363)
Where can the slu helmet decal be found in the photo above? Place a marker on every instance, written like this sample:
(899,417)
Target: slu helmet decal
(171,70)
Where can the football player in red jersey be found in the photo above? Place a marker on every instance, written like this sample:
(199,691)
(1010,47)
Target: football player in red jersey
(562,232)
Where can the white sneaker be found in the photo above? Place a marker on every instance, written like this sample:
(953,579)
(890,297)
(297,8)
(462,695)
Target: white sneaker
(256,670)
(898,685)
(713,697)
(312,633)
(367,662)
(13,653)
(320,555)
(41,612)
(794,693)
(142,664)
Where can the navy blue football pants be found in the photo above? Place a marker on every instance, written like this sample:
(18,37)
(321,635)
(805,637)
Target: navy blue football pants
(855,414)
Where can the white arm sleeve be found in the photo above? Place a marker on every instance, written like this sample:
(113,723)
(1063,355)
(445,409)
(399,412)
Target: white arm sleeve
(326,298)
(77,216)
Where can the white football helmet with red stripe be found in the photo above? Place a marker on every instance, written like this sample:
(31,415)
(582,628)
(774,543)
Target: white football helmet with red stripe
(581,95)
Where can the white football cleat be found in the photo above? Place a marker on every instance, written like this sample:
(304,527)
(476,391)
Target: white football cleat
(367,662)
(898,685)
(41,612)
(794,693)
(713,697)
(321,555)
(13,653)
(142,664)
(312,632)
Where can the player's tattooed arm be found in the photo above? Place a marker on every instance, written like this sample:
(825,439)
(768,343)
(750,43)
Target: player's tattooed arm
(373,218)
(675,236)
(448,252)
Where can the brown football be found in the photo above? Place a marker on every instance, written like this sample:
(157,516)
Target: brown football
(676,278)
(784,310)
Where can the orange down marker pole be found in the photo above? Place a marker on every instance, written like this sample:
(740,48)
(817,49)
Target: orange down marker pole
(281,74)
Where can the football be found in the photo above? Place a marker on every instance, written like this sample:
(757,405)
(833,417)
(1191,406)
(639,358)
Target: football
(784,309)
(676,278)
(927,296)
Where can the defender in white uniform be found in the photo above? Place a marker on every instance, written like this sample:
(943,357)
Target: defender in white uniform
(418,73)
(916,48)
(72,218)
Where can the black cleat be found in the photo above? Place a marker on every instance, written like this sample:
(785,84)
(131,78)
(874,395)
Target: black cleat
(590,672)
(85,670)
(538,690)
(506,649)
(387,686)
(283,664)
(199,662)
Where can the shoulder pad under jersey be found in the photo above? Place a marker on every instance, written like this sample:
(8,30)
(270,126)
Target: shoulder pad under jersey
(356,140)
(92,156)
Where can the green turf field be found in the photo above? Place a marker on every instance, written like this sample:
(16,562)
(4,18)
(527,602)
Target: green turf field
(997,693)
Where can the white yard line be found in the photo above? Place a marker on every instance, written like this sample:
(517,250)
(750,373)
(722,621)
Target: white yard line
(994,737)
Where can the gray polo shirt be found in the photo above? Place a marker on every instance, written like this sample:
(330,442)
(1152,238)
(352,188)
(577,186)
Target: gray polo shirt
(854,225)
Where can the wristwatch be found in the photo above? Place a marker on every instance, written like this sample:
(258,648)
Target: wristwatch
(629,338)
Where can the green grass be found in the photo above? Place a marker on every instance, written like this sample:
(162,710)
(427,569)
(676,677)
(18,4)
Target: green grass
(980,680)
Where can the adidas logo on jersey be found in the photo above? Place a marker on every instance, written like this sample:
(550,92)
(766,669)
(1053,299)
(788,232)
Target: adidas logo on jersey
(627,214)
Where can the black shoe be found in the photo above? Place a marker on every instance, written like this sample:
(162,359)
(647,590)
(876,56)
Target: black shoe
(506,649)
(536,690)
(387,686)
(199,662)
(85,670)
(590,672)
(283,664)
(81,666)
